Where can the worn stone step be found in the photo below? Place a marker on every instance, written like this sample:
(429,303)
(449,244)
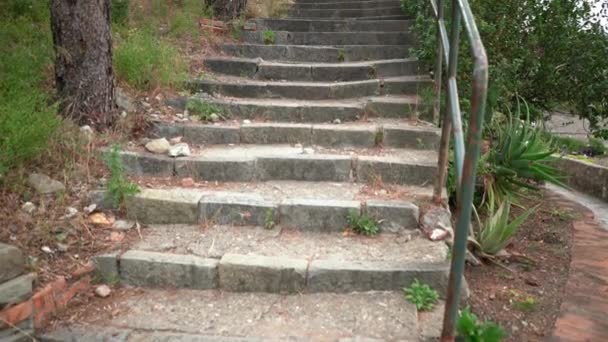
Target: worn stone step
(319,54)
(385,17)
(329,5)
(385,133)
(244,163)
(331,38)
(142,315)
(250,259)
(311,25)
(284,110)
(313,72)
(347,13)
(246,88)
(307,206)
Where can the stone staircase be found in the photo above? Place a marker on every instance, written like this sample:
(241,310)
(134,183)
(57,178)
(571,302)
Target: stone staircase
(246,236)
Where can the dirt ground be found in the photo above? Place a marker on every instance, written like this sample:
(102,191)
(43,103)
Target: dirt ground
(524,293)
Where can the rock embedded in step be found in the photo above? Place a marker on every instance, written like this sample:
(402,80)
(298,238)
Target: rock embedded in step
(28,207)
(123,225)
(337,121)
(159,146)
(103,291)
(179,150)
(175,140)
(44,184)
(246,122)
(434,220)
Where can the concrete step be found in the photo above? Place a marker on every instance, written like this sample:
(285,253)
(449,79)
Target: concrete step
(385,17)
(289,110)
(312,72)
(244,163)
(318,54)
(331,38)
(307,206)
(254,259)
(393,10)
(363,134)
(346,4)
(140,315)
(246,88)
(308,25)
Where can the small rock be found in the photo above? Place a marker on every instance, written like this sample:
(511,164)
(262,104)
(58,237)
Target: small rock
(337,121)
(180,115)
(123,225)
(438,234)
(187,182)
(123,100)
(186,113)
(28,207)
(62,247)
(160,146)
(175,140)
(214,117)
(70,212)
(47,249)
(91,208)
(99,219)
(246,122)
(298,146)
(103,291)
(309,150)
(123,114)
(179,150)
(154,116)
(145,104)
(44,184)
(87,132)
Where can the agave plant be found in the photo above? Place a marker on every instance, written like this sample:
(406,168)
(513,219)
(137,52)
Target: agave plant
(518,160)
(494,235)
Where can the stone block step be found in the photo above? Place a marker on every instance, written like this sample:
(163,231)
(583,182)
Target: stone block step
(312,72)
(244,163)
(393,10)
(216,316)
(250,259)
(283,110)
(385,133)
(17,289)
(247,88)
(308,206)
(331,38)
(319,54)
(310,25)
(12,262)
(329,5)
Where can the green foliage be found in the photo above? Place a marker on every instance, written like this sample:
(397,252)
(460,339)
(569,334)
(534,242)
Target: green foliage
(362,224)
(341,55)
(203,109)
(518,156)
(597,147)
(145,61)
(494,235)
(421,295)
(567,145)
(269,219)
(120,12)
(27,116)
(548,52)
(269,37)
(471,330)
(119,187)
(527,304)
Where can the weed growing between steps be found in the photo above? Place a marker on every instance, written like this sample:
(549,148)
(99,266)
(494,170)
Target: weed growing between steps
(269,37)
(421,295)
(119,187)
(269,219)
(204,110)
(362,224)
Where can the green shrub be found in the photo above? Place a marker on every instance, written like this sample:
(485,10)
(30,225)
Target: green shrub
(471,330)
(203,109)
(119,187)
(421,295)
(597,147)
(144,61)
(120,12)
(362,224)
(269,37)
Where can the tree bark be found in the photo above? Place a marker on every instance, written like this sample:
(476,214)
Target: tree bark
(83,60)
(228,9)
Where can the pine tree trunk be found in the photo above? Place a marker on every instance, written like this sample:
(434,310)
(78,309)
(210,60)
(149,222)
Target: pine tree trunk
(83,60)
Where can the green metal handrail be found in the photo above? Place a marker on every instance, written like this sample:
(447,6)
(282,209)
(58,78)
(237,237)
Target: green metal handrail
(465,159)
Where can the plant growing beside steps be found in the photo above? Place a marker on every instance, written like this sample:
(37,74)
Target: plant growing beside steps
(119,187)
(421,295)
(204,110)
(269,37)
(362,224)
(470,329)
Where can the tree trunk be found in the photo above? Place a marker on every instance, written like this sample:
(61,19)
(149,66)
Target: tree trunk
(83,60)
(228,9)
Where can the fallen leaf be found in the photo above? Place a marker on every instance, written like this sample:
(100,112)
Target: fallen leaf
(99,219)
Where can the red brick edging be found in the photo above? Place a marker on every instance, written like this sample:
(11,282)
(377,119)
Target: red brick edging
(584,310)
(46,302)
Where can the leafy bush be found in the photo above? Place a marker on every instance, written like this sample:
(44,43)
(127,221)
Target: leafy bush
(145,61)
(362,224)
(597,147)
(27,116)
(119,187)
(421,295)
(471,330)
(269,37)
(548,52)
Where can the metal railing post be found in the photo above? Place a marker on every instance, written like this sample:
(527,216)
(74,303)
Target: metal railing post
(438,65)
